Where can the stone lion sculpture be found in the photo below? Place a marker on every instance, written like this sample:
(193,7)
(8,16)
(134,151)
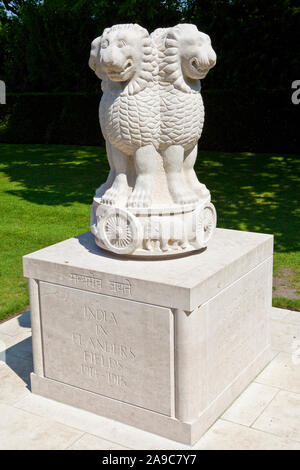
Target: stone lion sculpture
(151,116)
(185,57)
(123,57)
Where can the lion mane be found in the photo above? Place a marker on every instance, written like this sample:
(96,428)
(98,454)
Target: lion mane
(129,117)
(149,67)
(166,40)
(181,107)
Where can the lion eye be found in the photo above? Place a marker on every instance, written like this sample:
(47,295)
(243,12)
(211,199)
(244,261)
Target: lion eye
(104,44)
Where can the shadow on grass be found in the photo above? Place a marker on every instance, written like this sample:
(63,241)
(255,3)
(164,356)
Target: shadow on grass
(54,175)
(254,192)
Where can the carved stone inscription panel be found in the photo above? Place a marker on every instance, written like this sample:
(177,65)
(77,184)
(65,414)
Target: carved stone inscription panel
(115,347)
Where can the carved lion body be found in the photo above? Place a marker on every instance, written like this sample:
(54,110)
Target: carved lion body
(185,55)
(182,118)
(125,60)
(129,122)
(151,115)
(151,102)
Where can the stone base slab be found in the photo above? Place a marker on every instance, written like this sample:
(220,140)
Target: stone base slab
(171,428)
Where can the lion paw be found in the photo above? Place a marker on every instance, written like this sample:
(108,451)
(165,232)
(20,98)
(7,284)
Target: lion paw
(185,197)
(114,194)
(139,198)
(201,190)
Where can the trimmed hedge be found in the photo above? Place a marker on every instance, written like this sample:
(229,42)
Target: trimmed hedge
(263,121)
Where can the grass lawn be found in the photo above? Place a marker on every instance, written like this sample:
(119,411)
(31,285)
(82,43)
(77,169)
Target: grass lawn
(46,193)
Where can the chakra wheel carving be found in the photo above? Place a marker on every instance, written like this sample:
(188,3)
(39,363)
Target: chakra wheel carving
(209,221)
(120,231)
(205,224)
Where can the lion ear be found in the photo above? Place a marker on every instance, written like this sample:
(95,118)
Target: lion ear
(95,48)
(94,62)
(171,39)
(173,34)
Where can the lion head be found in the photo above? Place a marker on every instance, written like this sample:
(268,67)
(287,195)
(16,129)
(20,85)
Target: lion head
(124,53)
(186,55)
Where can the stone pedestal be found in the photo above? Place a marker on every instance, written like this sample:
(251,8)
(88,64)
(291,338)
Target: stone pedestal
(164,345)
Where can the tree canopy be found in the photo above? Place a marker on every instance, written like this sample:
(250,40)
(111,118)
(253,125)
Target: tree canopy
(44,45)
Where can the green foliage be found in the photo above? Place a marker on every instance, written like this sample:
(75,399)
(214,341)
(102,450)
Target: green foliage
(45,197)
(14,6)
(48,43)
(44,45)
(48,46)
(149,14)
(256,41)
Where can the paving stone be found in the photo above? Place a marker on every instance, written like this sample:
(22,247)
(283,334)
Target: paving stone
(250,404)
(283,372)
(89,442)
(282,416)
(12,386)
(285,336)
(16,325)
(278,313)
(20,430)
(224,435)
(87,422)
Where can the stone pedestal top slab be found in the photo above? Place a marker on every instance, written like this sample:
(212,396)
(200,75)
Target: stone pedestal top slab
(181,283)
